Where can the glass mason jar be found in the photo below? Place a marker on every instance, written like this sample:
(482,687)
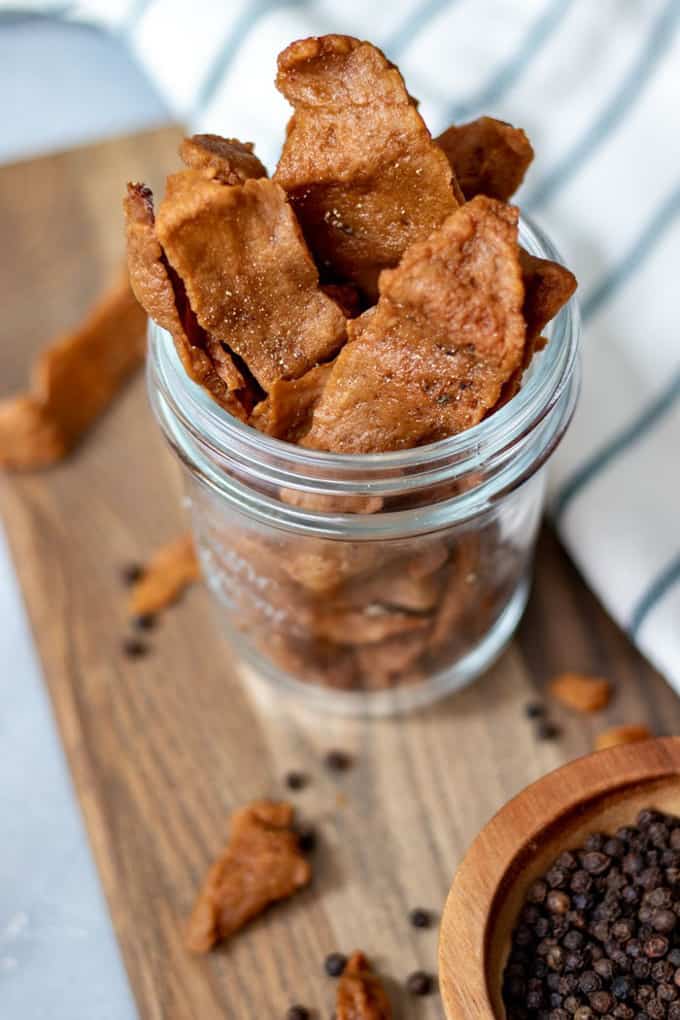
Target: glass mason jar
(371,584)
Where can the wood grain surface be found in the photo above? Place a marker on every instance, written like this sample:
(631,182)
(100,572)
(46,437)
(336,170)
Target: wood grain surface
(162,748)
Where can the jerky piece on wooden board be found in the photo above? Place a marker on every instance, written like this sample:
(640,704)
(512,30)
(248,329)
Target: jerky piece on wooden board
(359,165)
(581,692)
(73,380)
(487,156)
(171,569)
(262,863)
(432,357)
(234,162)
(249,277)
(628,734)
(361,995)
(161,293)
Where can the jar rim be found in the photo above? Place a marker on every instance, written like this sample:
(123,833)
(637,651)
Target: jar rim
(540,390)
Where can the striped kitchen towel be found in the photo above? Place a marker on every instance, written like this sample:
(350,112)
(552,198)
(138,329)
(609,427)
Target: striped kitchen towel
(597,88)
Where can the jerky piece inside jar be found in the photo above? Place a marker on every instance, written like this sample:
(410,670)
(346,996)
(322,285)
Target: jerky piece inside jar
(598,935)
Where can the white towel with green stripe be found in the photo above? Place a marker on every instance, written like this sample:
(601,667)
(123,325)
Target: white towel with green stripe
(597,88)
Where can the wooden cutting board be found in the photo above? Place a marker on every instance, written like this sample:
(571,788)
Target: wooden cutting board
(162,748)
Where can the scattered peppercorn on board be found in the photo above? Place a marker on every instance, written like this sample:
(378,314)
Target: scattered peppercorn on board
(163,746)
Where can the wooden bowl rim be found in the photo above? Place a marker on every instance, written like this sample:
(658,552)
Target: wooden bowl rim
(463,936)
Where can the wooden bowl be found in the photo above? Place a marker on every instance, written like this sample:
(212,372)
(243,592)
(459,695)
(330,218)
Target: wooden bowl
(599,792)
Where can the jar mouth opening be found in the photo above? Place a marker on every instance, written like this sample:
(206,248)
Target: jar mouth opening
(541,387)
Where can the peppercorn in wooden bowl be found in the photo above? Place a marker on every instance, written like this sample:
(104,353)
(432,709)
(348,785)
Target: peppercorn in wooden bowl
(505,871)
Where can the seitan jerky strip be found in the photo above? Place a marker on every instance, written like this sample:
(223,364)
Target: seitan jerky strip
(248,274)
(431,358)
(73,381)
(547,287)
(361,995)
(358,163)
(171,569)
(161,293)
(487,156)
(365,626)
(234,162)
(393,660)
(262,863)
(286,413)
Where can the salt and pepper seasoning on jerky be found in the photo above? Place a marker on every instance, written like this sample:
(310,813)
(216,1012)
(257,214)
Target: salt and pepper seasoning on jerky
(358,163)
(262,863)
(431,358)
(248,274)
(161,293)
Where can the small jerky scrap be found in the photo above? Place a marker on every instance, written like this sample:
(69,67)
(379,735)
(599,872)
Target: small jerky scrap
(170,570)
(73,381)
(248,274)
(161,293)
(487,156)
(581,692)
(547,287)
(359,165)
(287,411)
(361,995)
(262,863)
(630,734)
(234,162)
(432,357)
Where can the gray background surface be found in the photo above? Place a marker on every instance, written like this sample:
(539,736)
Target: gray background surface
(61,85)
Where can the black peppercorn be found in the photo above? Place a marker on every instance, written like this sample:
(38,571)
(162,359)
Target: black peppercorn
(622,987)
(655,946)
(558,902)
(419,983)
(334,964)
(420,918)
(297,1013)
(601,1001)
(663,920)
(595,862)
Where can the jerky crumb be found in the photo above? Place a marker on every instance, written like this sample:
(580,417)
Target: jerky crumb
(334,964)
(361,995)
(622,735)
(295,780)
(581,692)
(338,761)
(262,863)
(420,918)
(419,983)
(133,648)
(131,573)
